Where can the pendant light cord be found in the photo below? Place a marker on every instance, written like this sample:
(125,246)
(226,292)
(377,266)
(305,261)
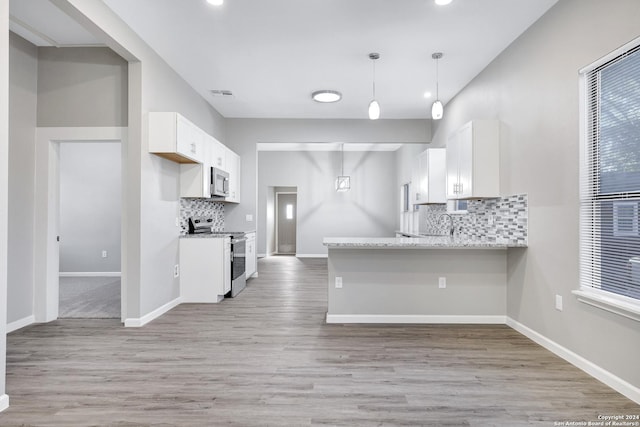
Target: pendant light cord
(437,79)
(374,79)
(342,160)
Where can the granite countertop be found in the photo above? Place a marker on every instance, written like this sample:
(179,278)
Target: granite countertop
(425,242)
(214,235)
(203,236)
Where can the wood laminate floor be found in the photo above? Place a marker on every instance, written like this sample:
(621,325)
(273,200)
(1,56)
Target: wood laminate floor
(267,358)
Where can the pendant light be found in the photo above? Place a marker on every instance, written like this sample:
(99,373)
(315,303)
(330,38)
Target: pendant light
(374,107)
(437,109)
(343,182)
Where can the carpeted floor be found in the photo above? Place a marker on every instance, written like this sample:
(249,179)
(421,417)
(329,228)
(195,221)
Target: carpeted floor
(89,297)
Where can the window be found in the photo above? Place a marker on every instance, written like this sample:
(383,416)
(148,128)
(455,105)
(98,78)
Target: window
(610,180)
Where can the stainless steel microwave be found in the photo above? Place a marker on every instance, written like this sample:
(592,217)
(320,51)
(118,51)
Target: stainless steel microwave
(219,183)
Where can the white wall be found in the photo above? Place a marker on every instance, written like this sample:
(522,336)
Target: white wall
(23,75)
(367,210)
(532,87)
(90,206)
(151,247)
(70,78)
(4,185)
(243,134)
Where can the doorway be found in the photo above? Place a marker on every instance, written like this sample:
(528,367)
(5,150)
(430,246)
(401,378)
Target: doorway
(47,224)
(90,242)
(286,223)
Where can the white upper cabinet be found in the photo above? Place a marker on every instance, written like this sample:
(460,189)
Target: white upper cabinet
(232,163)
(429,177)
(175,138)
(218,155)
(473,161)
(195,178)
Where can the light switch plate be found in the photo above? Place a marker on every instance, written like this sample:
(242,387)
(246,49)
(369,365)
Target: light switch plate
(559,302)
(338,282)
(442,282)
(249,218)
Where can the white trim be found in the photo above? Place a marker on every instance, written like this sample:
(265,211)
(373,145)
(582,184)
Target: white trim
(46,253)
(4,402)
(137,322)
(613,304)
(90,274)
(611,380)
(20,323)
(262,255)
(312,255)
(416,318)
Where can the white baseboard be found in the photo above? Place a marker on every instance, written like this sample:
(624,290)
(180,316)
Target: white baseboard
(613,381)
(90,274)
(20,323)
(138,322)
(261,255)
(4,402)
(417,318)
(312,255)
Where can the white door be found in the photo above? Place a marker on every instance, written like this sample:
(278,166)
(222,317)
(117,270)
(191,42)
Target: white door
(286,223)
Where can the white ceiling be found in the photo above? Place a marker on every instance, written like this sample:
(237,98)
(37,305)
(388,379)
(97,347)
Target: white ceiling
(273,54)
(43,24)
(325,146)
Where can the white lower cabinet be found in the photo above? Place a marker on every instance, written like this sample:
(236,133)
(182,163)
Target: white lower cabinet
(250,260)
(205,265)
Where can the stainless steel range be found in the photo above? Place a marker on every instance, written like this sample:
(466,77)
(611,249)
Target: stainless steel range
(203,225)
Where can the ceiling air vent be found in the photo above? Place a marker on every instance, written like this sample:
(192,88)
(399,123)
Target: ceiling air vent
(222,93)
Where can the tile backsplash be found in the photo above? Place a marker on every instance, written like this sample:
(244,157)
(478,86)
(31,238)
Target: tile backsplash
(201,207)
(503,220)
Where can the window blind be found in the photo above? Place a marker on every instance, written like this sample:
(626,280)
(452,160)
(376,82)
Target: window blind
(610,177)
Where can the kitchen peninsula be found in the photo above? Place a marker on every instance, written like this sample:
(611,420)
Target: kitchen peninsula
(434,279)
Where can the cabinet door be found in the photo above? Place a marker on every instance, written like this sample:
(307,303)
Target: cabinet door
(233,167)
(250,265)
(436,174)
(416,195)
(218,155)
(188,139)
(226,267)
(452,166)
(465,161)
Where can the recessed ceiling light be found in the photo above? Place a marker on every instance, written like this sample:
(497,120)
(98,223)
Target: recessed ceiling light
(442,2)
(326,96)
(215,2)
(427,94)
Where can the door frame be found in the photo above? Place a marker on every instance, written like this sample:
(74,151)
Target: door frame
(276,219)
(47,213)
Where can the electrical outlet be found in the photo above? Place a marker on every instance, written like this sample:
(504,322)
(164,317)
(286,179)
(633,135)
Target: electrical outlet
(492,219)
(177,222)
(104,254)
(249,218)
(176,271)
(559,302)
(442,282)
(338,282)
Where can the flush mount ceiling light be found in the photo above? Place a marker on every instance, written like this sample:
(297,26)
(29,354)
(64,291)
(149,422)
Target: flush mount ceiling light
(437,109)
(343,182)
(374,107)
(443,2)
(215,2)
(326,96)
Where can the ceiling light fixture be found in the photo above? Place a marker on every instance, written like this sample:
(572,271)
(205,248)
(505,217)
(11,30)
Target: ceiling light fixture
(215,2)
(443,2)
(374,107)
(343,182)
(326,96)
(437,109)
